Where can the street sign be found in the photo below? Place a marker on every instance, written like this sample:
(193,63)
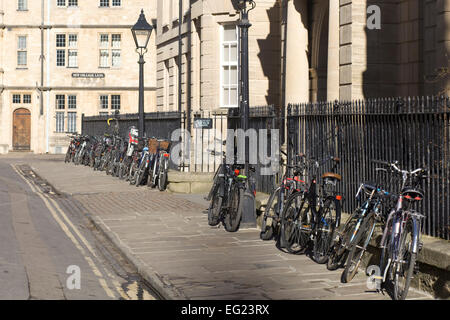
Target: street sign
(203,123)
(88,75)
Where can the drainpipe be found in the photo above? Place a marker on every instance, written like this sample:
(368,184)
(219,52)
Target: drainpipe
(180,53)
(47,112)
(41,109)
(283,81)
(189,70)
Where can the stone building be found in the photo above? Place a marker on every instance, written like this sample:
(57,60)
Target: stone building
(60,59)
(209,54)
(301,50)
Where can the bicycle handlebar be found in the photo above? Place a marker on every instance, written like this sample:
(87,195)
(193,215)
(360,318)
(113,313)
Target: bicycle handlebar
(394,166)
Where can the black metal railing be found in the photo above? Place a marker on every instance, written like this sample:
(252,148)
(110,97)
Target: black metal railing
(160,125)
(413,131)
(264,117)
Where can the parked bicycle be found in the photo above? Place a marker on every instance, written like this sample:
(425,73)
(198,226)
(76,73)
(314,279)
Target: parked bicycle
(158,174)
(350,244)
(313,214)
(290,183)
(227,194)
(130,154)
(75,141)
(401,240)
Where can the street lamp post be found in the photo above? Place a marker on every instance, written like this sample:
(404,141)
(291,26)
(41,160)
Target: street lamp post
(142,31)
(244,6)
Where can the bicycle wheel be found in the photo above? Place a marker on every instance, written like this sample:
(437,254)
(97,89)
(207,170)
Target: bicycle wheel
(358,247)
(91,159)
(270,212)
(141,170)
(132,174)
(162,179)
(404,265)
(153,179)
(68,153)
(215,207)
(234,212)
(339,252)
(122,169)
(104,162)
(296,224)
(325,230)
(110,163)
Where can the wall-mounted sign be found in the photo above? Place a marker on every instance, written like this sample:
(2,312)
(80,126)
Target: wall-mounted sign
(202,123)
(88,75)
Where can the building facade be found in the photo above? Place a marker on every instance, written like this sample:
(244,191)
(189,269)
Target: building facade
(301,51)
(60,59)
(208,65)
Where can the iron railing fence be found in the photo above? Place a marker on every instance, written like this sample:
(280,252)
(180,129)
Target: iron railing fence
(205,140)
(159,125)
(261,117)
(414,131)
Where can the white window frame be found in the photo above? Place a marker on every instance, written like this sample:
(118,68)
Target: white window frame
(22,5)
(59,123)
(22,50)
(72,48)
(26,95)
(72,5)
(72,100)
(72,121)
(223,65)
(110,52)
(101,96)
(120,102)
(16,95)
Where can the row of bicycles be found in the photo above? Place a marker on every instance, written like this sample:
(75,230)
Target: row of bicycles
(303,215)
(139,161)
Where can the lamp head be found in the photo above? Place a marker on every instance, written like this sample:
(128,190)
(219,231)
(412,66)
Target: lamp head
(142,31)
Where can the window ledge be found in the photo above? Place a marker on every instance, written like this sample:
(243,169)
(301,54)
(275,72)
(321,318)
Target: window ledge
(22,68)
(22,10)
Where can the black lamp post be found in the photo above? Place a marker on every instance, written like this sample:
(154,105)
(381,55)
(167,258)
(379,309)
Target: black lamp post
(244,6)
(142,31)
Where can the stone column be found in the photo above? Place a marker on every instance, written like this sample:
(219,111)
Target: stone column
(333,52)
(297,65)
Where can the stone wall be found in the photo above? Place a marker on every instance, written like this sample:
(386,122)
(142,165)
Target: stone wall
(205,34)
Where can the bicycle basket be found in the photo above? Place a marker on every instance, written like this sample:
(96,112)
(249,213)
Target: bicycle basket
(164,145)
(153,146)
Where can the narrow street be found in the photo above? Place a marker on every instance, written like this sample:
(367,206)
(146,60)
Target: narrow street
(44,240)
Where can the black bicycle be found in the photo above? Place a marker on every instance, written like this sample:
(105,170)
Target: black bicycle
(290,183)
(227,195)
(313,214)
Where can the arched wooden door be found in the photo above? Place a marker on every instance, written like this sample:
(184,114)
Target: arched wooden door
(22,129)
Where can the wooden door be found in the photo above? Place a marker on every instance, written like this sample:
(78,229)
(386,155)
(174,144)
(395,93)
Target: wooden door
(22,129)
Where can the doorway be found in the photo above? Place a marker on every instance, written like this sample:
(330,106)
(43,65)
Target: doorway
(22,130)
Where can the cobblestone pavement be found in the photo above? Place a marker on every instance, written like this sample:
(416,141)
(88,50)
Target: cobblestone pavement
(169,237)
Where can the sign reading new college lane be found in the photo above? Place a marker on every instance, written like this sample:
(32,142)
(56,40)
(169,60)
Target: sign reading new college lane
(88,75)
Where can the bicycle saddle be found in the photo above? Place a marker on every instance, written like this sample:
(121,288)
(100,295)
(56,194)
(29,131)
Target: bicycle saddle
(331,175)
